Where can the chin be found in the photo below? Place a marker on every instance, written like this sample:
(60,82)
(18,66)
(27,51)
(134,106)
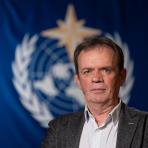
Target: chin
(98,99)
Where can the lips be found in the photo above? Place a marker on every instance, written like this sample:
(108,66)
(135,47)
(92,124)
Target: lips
(98,89)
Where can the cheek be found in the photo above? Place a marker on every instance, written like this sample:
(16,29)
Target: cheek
(84,85)
(112,83)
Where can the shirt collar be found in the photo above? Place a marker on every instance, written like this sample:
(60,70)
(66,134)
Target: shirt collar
(114,114)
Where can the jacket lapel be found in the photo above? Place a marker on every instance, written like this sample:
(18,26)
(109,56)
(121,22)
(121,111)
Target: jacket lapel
(127,126)
(75,130)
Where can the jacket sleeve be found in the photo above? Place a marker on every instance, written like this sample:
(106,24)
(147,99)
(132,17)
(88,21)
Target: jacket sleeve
(51,140)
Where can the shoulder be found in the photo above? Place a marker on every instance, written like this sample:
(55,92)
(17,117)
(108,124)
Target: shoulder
(134,111)
(63,119)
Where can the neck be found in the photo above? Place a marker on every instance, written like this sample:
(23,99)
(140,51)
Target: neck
(100,111)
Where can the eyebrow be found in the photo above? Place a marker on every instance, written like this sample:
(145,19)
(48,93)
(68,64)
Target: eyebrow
(85,68)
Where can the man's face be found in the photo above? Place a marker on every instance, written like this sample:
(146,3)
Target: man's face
(99,76)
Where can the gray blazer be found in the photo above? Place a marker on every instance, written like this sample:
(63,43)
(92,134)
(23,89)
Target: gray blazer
(65,132)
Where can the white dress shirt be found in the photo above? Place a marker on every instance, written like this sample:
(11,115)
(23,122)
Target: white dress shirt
(104,136)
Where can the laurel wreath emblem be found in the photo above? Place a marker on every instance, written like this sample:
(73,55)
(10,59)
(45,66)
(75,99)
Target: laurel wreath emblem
(128,64)
(23,85)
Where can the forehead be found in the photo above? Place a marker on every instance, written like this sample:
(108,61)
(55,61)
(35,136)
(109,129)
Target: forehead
(102,52)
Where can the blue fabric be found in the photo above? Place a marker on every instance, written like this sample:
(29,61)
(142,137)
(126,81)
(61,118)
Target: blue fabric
(20,126)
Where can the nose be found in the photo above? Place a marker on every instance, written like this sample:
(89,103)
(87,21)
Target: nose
(97,77)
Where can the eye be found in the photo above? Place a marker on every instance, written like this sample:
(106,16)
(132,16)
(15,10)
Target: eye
(107,70)
(86,71)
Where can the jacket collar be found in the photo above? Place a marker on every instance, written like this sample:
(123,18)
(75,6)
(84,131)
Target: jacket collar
(75,129)
(127,125)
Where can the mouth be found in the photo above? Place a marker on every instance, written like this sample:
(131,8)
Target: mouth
(98,90)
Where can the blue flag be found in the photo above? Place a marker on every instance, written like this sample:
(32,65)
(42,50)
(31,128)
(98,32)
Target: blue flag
(37,41)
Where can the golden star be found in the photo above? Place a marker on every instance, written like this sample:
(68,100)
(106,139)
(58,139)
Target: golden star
(70,32)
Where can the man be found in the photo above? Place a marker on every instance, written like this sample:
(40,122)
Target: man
(106,121)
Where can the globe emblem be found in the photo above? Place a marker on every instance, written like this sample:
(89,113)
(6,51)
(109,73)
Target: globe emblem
(52,76)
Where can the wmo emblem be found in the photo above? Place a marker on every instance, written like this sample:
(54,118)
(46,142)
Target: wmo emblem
(43,71)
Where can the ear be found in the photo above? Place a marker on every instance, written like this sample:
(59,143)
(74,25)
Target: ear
(123,76)
(77,81)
